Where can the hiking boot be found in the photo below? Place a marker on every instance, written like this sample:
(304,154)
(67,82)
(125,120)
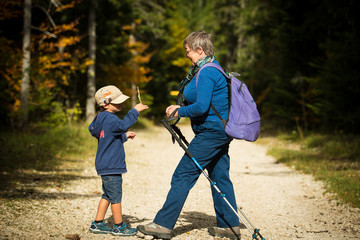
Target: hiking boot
(99,227)
(123,230)
(232,232)
(155,230)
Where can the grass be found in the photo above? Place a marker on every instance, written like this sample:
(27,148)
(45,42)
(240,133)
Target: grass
(41,157)
(331,158)
(41,149)
(44,149)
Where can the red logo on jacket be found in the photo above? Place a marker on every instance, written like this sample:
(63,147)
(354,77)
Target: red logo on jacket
(102,134)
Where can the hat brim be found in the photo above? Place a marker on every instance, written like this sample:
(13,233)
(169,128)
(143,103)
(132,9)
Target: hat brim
(122,98)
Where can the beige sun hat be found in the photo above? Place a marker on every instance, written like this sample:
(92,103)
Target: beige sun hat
(109,94)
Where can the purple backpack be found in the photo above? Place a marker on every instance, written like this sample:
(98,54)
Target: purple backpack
(244,118)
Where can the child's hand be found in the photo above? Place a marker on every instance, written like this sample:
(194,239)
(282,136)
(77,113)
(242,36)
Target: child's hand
(140,107)
(130,135)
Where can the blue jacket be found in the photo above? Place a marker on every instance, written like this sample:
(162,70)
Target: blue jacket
(110,131)
(211,88)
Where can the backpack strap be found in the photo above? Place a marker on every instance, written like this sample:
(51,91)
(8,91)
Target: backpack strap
(217,66)
(224,121)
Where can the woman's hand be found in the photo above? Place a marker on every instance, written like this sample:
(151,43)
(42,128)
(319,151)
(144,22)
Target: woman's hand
(171,109)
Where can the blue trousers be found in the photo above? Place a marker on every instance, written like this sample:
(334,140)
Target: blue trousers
(210,148)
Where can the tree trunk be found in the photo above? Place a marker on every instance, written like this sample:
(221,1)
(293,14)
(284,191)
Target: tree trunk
(25,83)
(91,86)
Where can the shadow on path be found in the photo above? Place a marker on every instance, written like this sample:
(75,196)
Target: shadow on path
(36,184)
(194,220)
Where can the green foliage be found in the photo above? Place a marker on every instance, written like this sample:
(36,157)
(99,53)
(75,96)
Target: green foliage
(112,17)
(163,25)
(56,59)
(10,73)
(331,158)
(58,115)
(318,41)
(299,58)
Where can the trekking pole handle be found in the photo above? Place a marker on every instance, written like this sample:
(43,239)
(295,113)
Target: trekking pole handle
(171,117)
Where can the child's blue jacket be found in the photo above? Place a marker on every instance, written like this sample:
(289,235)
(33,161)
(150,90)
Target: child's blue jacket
(110,131)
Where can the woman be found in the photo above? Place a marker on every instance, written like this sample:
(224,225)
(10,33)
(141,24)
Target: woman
(210,145)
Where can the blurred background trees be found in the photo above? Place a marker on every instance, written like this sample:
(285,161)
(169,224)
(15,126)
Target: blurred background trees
(300,59)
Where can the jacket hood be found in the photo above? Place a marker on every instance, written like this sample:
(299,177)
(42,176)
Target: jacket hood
(95,126)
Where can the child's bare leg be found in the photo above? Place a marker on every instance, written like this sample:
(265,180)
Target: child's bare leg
(117,213)
(103,206)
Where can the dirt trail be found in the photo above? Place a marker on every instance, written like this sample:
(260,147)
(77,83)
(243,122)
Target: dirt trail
(284,204)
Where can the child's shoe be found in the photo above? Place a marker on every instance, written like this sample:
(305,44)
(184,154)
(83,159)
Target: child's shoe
(123,230)
(99,227)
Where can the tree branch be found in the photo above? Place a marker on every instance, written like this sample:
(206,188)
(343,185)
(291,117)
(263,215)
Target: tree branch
(44,31)
(47,14)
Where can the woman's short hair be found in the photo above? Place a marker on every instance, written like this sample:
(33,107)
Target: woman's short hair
(200,39)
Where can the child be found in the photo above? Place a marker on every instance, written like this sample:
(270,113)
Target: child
(111,133)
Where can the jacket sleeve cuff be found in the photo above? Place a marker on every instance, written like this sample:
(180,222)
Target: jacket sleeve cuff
(181,112)
(124,138)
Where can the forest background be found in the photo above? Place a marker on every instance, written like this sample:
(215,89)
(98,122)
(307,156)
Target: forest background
(299,58)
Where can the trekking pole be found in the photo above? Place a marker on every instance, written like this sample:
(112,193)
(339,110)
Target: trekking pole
(179,137)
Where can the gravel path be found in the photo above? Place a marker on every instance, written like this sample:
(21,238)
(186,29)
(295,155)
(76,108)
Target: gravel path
(283,203)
